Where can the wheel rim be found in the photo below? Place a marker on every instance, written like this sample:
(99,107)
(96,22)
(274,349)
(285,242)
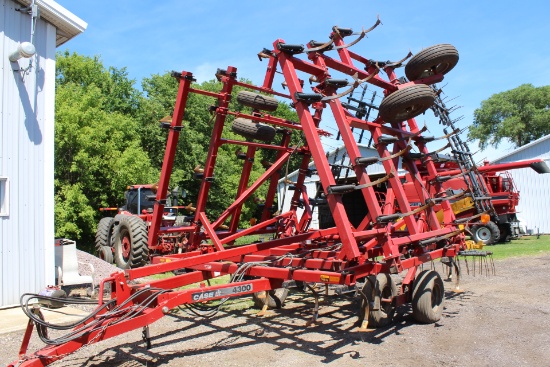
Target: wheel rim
(126,245)
(408,111)
(386,294)
(440,68)
(483,234)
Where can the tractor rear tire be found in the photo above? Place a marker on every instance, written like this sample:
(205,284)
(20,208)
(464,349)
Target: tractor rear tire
(131,250)
(437,59)
(406,103)
(275,298)
(105,253)
(257,101)
(253,130)
(104,233)
(386,289)
(428,297)
(487,233)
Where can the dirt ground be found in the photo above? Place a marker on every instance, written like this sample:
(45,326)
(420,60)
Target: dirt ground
(499,320)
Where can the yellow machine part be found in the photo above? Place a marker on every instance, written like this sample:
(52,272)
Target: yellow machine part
(472,245)
(458,207)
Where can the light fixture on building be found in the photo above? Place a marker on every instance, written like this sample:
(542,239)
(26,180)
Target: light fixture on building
(25,49)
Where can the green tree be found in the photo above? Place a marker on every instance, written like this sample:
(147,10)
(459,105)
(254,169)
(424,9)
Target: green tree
(520,115)
(97,144)
(160,95)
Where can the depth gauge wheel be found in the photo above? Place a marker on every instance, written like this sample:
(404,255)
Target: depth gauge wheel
(257,101)
(253,130)
(130,242)
(428,297)
(487,233)
(275,298)
(384,287)
(437,59)
(406,103)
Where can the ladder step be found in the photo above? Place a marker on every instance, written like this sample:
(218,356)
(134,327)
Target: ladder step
(308,97)
(337,83)
(384,139)
(366,161)
(416,155)
(425,139)
(461,152)
(388,218)
(340,189)
(290,49)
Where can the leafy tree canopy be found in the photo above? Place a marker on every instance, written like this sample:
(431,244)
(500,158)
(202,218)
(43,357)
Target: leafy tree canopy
(520,115)
(107,137)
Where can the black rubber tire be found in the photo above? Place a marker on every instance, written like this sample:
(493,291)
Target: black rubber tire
(437,59)
(104,233)
(105,253)
(505,233)
(275,298)
(131,234)
(257,101)
(486,233)
(406,103)
(428,297)
(253,130)
(387,289)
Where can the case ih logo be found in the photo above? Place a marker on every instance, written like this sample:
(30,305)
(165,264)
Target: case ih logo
(206,295)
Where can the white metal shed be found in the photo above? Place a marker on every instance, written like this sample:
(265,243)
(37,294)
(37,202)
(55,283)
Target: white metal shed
(338,157)
(534,201)
(27,95)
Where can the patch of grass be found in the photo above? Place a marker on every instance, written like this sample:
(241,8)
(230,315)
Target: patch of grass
(525,246)
(245,240)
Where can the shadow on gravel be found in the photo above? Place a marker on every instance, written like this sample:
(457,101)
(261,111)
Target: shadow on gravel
(334,335)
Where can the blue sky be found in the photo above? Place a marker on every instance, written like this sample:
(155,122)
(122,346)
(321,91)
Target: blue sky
(502,44)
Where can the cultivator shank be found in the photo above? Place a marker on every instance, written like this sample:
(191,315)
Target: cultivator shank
(394,238)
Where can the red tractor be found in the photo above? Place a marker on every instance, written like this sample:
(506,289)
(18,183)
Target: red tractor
(123,239)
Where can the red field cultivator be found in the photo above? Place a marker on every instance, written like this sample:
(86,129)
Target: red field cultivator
(381,256)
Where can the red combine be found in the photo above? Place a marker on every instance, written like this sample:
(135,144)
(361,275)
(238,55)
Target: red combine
(500,189)
(381,257)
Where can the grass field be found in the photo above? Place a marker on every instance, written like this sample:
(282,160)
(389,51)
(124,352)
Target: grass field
(525,246)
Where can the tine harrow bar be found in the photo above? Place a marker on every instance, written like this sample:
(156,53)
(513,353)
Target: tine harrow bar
(394,238)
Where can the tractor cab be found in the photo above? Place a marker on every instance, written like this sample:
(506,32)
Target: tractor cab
(139,198)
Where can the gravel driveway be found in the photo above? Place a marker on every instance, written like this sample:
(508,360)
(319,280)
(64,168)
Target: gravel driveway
(499,320)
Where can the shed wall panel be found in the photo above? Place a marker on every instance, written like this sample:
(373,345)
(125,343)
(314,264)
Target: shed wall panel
(26,157)
(534,188)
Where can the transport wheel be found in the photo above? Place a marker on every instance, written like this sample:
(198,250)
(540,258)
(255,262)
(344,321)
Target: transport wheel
(253,130)
(406,103)
(130,242)
(105,253)
(275,298)
(428,297)
(437,59)
(104,233)
(486,233)
(257,101)
(386,291)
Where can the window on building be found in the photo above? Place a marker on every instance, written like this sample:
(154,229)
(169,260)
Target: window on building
(4,197)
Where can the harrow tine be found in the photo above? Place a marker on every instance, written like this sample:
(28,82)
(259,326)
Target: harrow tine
(315,308)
